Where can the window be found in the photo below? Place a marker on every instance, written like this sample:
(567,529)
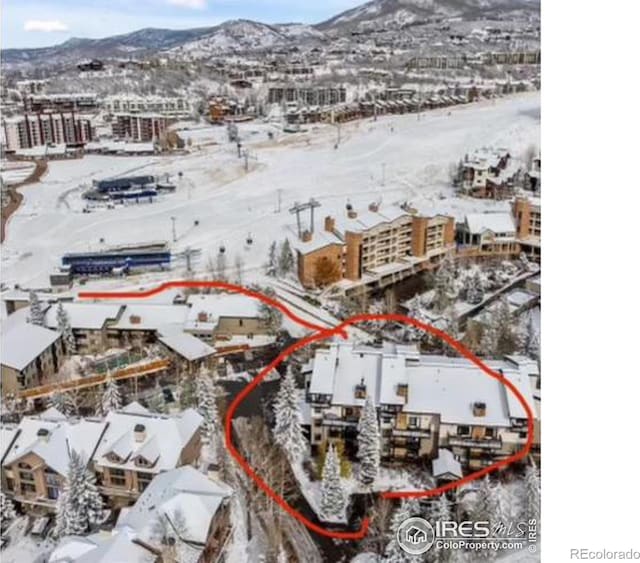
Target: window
(26,476)
(143,480)
(463,430)
(317,437)
(413,422)
(10,484)
(28,488)
(117,478)
(489,432)
(53,493)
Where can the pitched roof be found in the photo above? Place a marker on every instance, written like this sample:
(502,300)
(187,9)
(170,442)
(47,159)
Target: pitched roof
(162,442)
(92,316)
(182,494)
(54,447)
(496,222)
(22,343)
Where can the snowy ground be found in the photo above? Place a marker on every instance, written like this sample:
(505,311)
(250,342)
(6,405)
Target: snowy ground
(413,154)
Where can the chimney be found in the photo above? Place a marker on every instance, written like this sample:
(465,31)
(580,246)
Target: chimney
(374,206)
(351,213)
(306,236)
(43,435)
(479,409)
(329,224)
(135,319)
(202,317)
(139,433)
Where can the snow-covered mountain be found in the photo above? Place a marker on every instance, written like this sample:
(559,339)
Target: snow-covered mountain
(246,35)
(394,13)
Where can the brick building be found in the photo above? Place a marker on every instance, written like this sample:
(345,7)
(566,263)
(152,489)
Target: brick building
(32,130)
(139,127)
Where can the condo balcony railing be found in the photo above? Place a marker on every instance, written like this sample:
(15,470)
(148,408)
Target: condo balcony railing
(468,442)
(412,432)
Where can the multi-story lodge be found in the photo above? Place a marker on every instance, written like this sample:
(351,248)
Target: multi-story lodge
(308,95)
(178,106)
(33,130)
(125,450)
(424,403)
(78,102)
(488,173)
(528,222)
(376,247)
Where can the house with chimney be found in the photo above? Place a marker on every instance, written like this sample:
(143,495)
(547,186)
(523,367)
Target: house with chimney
(424,403)
(489,173)
(126,450)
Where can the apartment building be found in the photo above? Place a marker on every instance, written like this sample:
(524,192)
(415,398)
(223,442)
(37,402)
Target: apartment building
(139,127)
(378,246)
(30,356)
(527,213)
(424,403)
(32,130)
(308,95)
(178,106)
(77,102)
(125,450)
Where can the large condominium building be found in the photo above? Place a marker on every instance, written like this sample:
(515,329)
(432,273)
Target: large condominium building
(61,102)
(139,127)
(32,130)
(377,246)
(424,403)
(308,95)
(170,106)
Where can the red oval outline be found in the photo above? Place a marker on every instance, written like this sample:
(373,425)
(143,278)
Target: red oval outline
(322,334)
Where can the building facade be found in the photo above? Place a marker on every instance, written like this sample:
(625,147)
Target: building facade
(33,130)
(139,127)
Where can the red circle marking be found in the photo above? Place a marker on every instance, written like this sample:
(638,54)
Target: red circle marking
(322,334)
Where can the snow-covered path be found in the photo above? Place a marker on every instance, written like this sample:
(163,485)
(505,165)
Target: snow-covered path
(413,155)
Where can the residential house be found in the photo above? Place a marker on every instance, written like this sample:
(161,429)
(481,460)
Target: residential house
(488,235)
(139,445)
(489,173)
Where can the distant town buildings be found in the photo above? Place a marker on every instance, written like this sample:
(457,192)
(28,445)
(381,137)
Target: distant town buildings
(139,127)
(177,106)
(308,95)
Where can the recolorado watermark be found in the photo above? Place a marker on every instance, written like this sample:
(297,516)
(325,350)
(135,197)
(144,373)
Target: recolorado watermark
(417,536)
(604,554)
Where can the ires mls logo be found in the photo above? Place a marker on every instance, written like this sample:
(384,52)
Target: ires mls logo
(415,536)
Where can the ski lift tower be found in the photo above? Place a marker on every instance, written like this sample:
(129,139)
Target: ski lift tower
(299,208)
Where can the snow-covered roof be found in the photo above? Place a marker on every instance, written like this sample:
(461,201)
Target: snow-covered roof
(91,316)
(22,343)
(221,305)
(182,494)
(102,547)
(435,384)
(186,345)
(446,465)
(368,219)
(496,222)
(161,441)
(150,316)
(54,446)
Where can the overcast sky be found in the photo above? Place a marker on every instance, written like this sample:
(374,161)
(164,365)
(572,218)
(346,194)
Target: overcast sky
(39,23)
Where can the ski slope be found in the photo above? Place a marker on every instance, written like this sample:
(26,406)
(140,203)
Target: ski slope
(395,158)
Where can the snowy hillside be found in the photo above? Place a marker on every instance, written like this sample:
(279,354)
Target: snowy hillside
(386,13)
(245,35)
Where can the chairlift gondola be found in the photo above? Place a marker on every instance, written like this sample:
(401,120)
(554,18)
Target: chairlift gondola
(222,249)
(249,239)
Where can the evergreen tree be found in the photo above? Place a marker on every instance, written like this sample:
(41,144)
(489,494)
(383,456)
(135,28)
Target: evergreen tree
(187,397)
(500,335)
(474,288)
(272,264)
(80,504)
(64,327)
(111,398)
(530,500)
(286,261)
(393,553)
(288,430)
(36,310)
(270,317)
(207,406)
(368,443)
(62,402)
(530,343)
(333,498)
(486,508)
(7,509)
(440,511)
(452,329)
(444,290)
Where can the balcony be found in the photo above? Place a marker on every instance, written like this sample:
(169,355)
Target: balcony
(412,432)
(468,442)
